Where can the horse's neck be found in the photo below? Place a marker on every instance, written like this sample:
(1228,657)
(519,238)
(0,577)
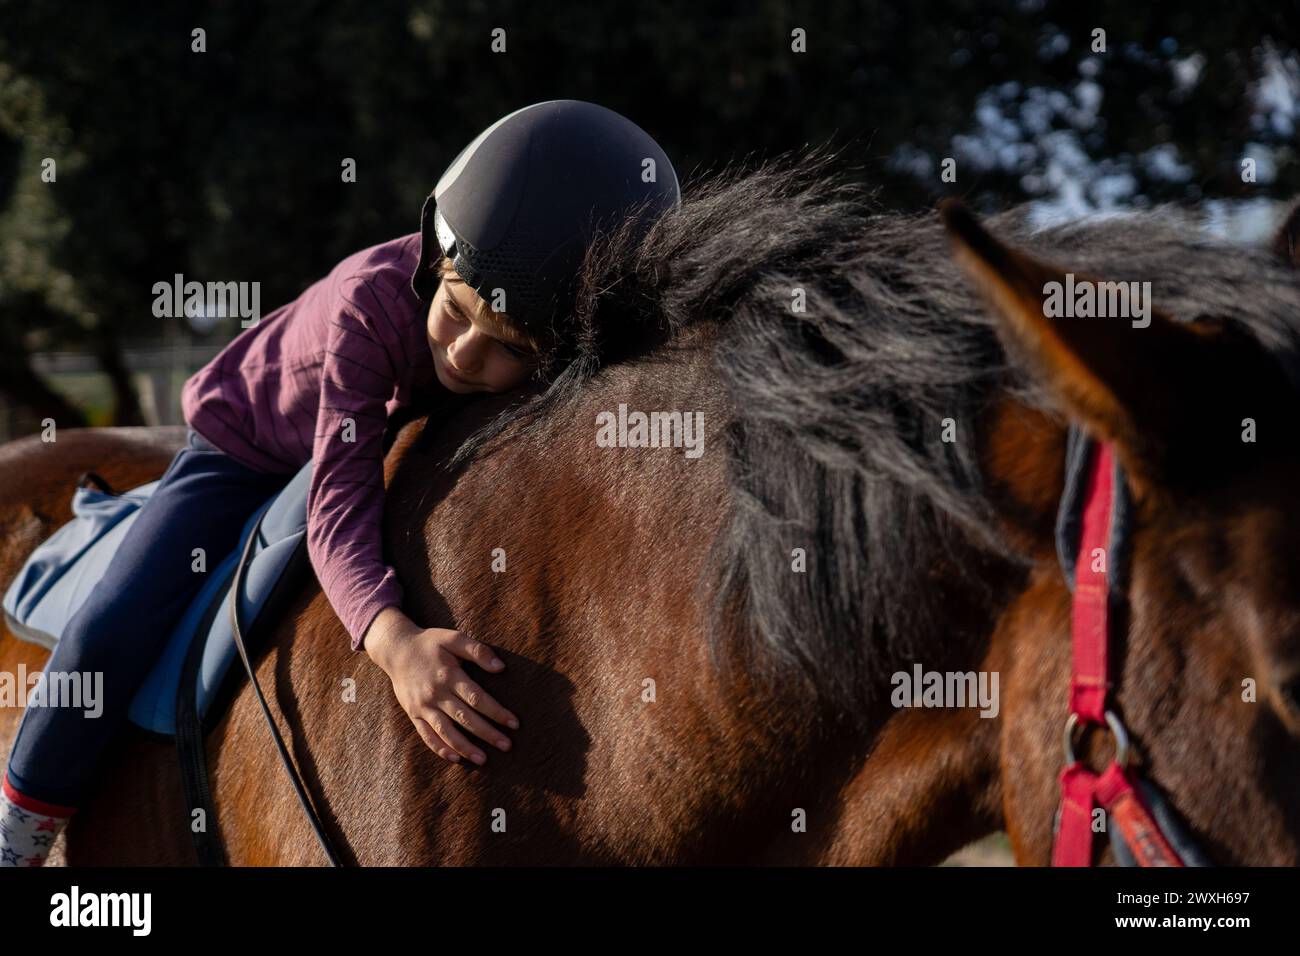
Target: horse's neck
(929,787)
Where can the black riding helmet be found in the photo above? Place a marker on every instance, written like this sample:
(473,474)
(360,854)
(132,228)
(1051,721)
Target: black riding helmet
(518,207)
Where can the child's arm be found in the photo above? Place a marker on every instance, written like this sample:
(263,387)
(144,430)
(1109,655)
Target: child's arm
(344,509)
(345,498)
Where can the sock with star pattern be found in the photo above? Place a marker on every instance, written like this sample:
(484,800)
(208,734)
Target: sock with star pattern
(28,828)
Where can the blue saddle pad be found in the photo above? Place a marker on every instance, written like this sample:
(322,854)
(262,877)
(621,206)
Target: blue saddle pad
(61,572)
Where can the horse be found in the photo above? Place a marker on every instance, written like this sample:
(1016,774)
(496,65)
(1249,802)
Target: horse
(700,650)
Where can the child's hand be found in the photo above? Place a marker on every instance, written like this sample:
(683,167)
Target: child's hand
(435,692)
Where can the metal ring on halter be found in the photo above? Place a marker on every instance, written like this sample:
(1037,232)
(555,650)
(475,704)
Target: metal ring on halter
(1117,729)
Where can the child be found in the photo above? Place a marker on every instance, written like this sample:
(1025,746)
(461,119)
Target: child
(473,303)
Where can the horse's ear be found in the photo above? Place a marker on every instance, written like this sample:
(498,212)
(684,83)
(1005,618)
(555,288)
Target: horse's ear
(1109,374)
(1286,243)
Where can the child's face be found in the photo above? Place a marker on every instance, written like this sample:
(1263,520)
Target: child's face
(466,357)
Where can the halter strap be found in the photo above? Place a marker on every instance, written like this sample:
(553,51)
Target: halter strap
(1092,536)
(1090,618)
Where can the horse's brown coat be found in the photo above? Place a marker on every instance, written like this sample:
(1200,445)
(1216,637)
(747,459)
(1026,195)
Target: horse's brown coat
(605,549)
(706,773)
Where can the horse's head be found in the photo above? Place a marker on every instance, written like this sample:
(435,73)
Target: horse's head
(1204,416)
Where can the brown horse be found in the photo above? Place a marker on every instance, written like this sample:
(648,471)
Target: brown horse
(700,649)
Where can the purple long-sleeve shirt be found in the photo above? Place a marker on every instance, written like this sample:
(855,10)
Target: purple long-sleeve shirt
(351,349)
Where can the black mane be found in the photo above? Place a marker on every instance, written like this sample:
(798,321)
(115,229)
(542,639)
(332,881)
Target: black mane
(834,444)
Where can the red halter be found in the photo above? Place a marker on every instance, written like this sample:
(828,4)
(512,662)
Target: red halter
(1115,789)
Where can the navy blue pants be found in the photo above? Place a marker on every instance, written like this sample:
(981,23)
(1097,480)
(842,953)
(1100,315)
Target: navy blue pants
(203,501)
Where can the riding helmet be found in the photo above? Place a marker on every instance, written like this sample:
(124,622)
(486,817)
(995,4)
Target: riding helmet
(518,207)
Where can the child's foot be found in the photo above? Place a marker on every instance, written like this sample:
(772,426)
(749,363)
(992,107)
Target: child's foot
(28,828)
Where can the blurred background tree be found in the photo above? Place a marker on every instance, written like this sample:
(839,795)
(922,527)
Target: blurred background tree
(226,165)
